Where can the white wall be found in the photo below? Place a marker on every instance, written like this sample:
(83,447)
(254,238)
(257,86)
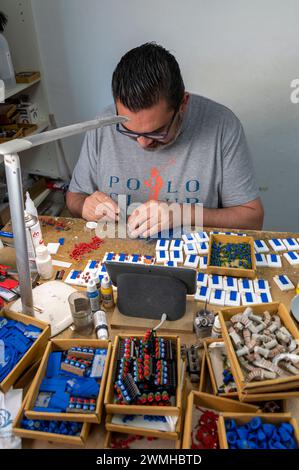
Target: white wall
(243,54)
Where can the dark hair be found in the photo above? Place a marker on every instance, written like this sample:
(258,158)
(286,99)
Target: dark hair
(146,74)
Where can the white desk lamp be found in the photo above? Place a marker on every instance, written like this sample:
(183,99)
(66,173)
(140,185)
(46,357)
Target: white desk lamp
(10,151)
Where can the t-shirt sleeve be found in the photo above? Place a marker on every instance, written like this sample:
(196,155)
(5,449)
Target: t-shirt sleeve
(239,184)
(85,172)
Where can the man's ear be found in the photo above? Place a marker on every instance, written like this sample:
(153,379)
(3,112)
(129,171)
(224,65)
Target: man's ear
(185,101)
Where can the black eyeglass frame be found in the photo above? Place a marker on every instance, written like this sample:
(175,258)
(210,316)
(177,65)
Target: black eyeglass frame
(149,135)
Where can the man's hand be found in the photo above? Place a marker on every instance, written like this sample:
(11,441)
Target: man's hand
(153,217)
(99,206)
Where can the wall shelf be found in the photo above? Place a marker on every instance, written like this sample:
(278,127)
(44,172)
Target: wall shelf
(19,88)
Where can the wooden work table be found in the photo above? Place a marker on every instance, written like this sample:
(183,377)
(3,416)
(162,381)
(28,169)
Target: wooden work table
(75,232)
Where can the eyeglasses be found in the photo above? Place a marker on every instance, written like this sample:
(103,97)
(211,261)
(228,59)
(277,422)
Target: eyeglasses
(149,135)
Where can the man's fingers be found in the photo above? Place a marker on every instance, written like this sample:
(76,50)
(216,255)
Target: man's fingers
(135,221)
(153,230)
(106,209)
(143,228)
(102,198)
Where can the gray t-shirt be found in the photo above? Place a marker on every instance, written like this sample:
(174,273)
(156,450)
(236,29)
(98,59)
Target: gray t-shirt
(209,163)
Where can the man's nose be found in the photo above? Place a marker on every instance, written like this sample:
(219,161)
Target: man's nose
(144,141)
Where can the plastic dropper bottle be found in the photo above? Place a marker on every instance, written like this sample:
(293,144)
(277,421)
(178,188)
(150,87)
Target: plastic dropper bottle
(107,293)
(43,262)
(93,295)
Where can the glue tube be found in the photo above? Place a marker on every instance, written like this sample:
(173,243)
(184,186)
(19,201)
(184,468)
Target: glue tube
(100,324)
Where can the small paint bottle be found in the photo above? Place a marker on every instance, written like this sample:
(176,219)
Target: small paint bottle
(93,295)
(107,293)
(100,324)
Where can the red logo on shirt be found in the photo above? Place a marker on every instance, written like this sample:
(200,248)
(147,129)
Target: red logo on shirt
(155,182)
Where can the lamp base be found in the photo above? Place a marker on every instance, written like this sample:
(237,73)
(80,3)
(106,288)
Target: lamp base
(52,299)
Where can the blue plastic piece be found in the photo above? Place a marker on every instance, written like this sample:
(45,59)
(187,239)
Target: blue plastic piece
(54,362)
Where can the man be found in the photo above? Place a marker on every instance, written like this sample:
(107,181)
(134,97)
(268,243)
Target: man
(175,147)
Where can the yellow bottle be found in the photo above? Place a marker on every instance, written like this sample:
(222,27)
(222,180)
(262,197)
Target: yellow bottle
(107,293)
(297,289)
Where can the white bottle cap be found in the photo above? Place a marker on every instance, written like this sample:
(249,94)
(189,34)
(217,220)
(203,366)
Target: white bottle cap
(91,286)
(29,205)
(105,282)
(42,252)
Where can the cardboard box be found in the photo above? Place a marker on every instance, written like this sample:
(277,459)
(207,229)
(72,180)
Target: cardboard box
(235,272)
(63,345)
(207,342)
(263,386)
(27,77)
(47,436)
(273,418)
(144,444)
(169,435)
(32,354)
(214,403)
(113,408)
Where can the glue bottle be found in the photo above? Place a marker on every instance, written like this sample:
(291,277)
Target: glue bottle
(107,292)
(100,324)
(93,295)
(43,262)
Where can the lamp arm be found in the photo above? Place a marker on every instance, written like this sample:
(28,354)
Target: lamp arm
(16,203)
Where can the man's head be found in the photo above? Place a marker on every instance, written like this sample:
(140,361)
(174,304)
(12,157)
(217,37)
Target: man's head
(147,87)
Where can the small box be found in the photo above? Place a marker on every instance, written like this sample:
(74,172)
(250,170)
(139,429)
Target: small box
(203,248)
(230,283)
(287,383)
(261,285)
(263,297)
(114,408)
(162,256)
(245,285)
(123,428)
(283,282)
(202,279)
(202,294)
(28,113)
(192,261)
(243,418)
(217,404)
(141,443)
(202,237)
(190,248)
(33,353)
(207,344)
(217,297)
(176,255)
(162,245)
(260,246)
(215,282)
(291,244)
(47,436)
(171,264)
(248,298)
(176,245)
(230,271)
(274,261)
(189,237)
(232,298)
(27,77)
(277,244)
(203,262)
(261,260)
(292,257)
(64,345)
